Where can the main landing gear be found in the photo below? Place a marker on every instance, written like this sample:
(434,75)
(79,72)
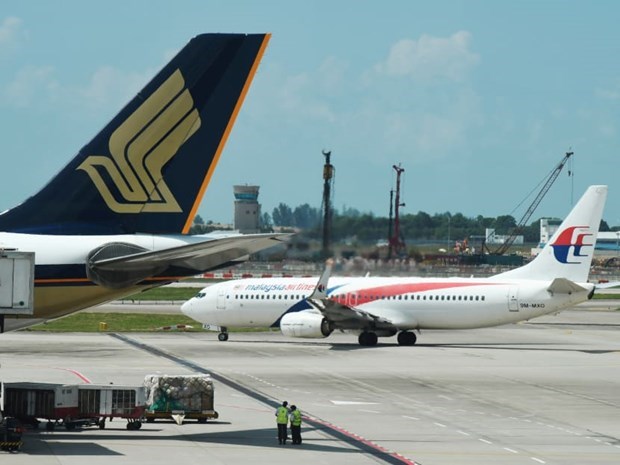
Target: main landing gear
(369,338)
(406,338)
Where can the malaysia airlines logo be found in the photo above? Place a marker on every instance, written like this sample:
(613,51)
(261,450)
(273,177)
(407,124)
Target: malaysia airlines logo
(568,245)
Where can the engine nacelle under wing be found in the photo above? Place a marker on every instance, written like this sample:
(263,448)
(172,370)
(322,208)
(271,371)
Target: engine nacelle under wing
(305,324)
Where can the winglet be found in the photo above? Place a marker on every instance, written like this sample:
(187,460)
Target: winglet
(320,291)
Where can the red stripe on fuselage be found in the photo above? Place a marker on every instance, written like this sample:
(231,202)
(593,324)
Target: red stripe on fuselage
(377,293)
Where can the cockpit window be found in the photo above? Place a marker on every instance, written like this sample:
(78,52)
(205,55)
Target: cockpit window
(200,295)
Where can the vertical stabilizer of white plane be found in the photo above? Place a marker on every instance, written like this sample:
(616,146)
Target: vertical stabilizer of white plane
(569,252)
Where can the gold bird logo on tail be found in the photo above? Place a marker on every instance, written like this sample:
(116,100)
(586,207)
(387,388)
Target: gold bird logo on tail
(140,148)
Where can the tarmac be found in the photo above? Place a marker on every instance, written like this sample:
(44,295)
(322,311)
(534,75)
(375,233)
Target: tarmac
(542,392)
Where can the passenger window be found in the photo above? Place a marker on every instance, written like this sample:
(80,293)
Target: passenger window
(476,297)
(482,298)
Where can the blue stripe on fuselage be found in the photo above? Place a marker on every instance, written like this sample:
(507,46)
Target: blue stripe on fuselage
(300,306)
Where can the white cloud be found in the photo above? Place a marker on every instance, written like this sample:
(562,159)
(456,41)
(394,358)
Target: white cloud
(30,83)
(608,130)
(297,97)
(431,58)
(611,94)
(112,87)
(9,31)
(430,135)
(108,88)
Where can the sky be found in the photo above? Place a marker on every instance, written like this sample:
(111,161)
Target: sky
(477,100)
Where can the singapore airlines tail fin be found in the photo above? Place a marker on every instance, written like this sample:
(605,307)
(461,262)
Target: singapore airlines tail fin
(146,171)
(569,252)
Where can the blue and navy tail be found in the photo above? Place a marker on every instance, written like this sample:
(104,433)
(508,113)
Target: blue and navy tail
(147,170)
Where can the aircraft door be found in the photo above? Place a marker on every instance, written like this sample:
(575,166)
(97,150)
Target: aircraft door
(513,299)
(221,298)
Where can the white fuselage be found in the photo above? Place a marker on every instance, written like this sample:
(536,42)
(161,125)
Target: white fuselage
(61,284)
(409,303)
(68,250)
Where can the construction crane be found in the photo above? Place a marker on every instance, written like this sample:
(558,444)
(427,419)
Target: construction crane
(395,240)
(526,216)
(328,175)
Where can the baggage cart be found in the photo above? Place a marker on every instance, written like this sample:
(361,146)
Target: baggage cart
(182,397)
(73,405)
(96,403)
(30,402)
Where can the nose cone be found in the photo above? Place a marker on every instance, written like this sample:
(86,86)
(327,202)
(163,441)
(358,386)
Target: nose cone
(188,308)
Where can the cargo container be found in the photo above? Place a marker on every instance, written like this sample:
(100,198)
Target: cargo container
(182,397)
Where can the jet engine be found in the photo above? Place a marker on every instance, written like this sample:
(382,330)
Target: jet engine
(118,276)
(305,324)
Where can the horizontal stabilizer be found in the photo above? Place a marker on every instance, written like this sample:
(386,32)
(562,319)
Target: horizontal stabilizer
(609,285)
(565,286)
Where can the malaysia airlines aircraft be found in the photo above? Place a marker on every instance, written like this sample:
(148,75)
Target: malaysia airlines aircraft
(114,221)
(380,307)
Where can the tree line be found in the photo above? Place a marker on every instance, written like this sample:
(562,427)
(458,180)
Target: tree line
(365,227)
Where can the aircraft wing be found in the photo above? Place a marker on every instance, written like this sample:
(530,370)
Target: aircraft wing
(344,316)
(197,257)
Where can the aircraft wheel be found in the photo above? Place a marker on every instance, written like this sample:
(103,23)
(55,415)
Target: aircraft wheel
(50,426)
(368,338)
(223,337)
(406,338)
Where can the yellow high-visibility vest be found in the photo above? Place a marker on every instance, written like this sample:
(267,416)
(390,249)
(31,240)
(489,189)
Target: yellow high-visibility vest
(296,420)
(282,416)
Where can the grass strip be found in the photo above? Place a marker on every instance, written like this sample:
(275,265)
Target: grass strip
(165,293)
(124,322)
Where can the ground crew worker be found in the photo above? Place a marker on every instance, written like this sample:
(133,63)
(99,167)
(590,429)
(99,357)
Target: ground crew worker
(295,418)
(282,421)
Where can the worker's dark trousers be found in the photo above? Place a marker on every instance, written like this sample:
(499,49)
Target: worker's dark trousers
(282,433)
(296,434)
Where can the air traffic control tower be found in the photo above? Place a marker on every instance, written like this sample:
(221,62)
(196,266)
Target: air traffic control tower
(247,209)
